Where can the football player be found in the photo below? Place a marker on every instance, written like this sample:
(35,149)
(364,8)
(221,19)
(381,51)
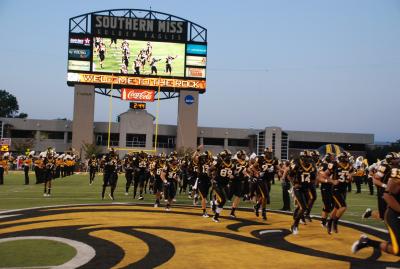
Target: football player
(259,186)
(168,63)
(391,196)
(169,175)
(222,172)
(110,174)
(204,182)
(240,178)
(92,163)
(128,168)
(269,167)
(140,174)
(158,182)
(325,171)
(102,53)
(153,65)
(341,178)
(381,173)
(300,177)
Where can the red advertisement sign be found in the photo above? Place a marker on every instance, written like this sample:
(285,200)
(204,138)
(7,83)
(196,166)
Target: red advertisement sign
(137,95)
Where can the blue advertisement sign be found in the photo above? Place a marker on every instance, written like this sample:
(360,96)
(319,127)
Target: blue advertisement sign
(196,49)
(79,54)
(189,99)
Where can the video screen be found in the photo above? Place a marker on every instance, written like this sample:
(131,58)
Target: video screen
(138,57)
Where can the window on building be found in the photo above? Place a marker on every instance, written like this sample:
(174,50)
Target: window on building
(213,141)
(136,140)
(69,136)
(51,135)
(238,142)
(284,146)
(164,141)
(1,129)
(22,134)
(102,139)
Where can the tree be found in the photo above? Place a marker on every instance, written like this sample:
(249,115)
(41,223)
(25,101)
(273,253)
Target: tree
(9,106)
(91,149)
(22,145)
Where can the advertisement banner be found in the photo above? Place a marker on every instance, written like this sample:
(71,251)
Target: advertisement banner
(79,54)
(80,41)
(195,72)
(196,49)
(78,65)
(196,60)
(98,79)
(137,95)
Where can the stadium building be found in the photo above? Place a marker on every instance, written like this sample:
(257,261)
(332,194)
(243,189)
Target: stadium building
(136,129)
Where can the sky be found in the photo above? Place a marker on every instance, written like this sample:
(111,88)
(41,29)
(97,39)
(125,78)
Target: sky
(306,65)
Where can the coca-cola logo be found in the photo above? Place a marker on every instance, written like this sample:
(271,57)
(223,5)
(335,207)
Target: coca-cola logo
(138,95)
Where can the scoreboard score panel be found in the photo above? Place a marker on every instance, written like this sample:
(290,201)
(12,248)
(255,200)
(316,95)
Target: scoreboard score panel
(137,50)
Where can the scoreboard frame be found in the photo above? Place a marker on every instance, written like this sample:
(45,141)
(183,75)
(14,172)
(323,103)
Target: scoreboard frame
(144,25)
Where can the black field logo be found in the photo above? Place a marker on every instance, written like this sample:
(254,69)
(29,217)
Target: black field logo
(140,236)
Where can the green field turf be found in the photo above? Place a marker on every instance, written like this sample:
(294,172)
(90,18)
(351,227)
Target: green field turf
(113,57)
(76,190)
(37,253)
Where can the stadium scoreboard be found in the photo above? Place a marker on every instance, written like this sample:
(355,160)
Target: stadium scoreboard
(128,51)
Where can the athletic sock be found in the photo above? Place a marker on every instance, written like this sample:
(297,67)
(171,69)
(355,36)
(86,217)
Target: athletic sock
(233,210)
(48,190)
(204,211)
(323,221)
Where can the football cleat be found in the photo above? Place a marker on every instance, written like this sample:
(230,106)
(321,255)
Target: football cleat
(294,230)
(126,193)
(335,227)
(367,213)
(360,244)
(205,215)
(215,219)
(140,198)
(329,226)
(232,215)
(155,205)
(111,196)
(256,210)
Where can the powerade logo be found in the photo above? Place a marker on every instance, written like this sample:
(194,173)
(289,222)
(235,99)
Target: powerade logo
(79,53)
(196,49)
(189,99)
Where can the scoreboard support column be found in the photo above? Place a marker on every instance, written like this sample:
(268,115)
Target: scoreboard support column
(82,125)
(186,133)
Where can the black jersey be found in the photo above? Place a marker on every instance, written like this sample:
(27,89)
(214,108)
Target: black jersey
(93,163)
(171,172)
(142,164)
(324,166)
(159,168)
(128,165)
(110,166)
(203,168)
(224,171)
(301,173)
(240,168)
(268,167)
(342,175)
